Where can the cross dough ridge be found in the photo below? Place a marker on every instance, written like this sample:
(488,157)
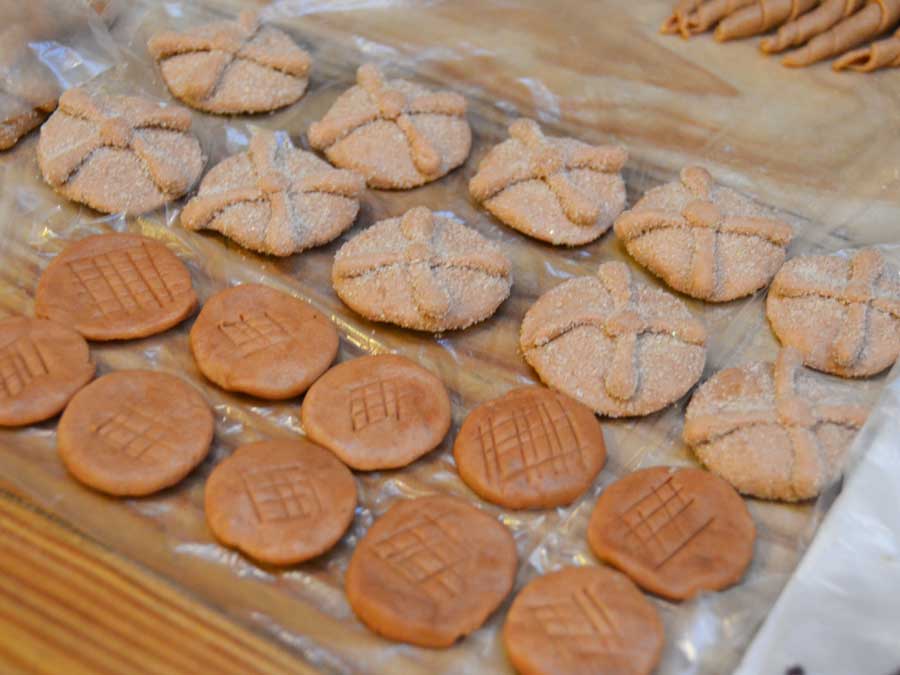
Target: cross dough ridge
(547,160)
(624,325)
(227,42)
(273,183)
(788,410)
(859,294)
(390,105)
(703,218)
(534,440)
(119,121)
(419,259)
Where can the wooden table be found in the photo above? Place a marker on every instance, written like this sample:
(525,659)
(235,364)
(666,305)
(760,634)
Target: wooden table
(821,146)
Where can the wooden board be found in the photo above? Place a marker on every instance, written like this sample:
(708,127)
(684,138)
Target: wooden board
(820,146)
(67,605)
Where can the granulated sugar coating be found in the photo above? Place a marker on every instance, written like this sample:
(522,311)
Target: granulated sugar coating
(774,431)
(119,153)
(704,240)
(422,271)
(618,346)
(231,67)
(842,314)
(397,134)
(558,190)
(275,198)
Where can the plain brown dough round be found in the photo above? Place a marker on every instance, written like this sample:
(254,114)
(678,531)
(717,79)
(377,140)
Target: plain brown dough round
(280,502)
(675,532)
(116,287)
(42,365)
(581,621)
(430,571)
(260,341)
(134,432)
(531,448)
(377,412)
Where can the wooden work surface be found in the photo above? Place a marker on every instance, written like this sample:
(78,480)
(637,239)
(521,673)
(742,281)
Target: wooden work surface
(92,584)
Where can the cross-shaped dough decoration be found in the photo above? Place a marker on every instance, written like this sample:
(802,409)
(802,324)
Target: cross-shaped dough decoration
(419,260)
(545,160)
(859,295)
(705,221)
(227,42)
(118,125)
(624,325)
(273,183)
(788,410)
(393,106)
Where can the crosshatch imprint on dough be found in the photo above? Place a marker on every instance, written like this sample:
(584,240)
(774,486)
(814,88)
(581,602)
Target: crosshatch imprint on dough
(253,333)
(21,362)
(134,433)
(579,625)
(662,523)
(377,401)
(427,555)
(536,440)
(124,281)
(282,493)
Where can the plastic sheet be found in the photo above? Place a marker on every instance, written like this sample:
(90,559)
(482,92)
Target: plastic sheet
(48,46)
(304,606)
(854,558)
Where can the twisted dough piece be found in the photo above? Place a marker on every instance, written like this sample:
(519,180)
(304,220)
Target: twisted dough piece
(677,21)
(809,25)
(875,18)
(761,17)
(881,54)
(709,13)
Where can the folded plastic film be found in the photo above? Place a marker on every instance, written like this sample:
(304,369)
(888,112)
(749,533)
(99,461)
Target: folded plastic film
(304,606)
(47,47)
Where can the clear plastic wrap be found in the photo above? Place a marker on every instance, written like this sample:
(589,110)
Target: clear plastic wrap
(847,571)
(46,47)
(304,606)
